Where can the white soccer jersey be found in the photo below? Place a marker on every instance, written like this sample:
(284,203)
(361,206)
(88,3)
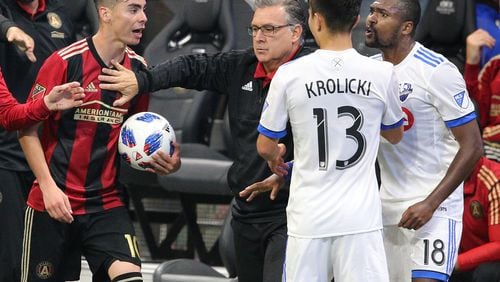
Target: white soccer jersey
(336,102)
(434,99)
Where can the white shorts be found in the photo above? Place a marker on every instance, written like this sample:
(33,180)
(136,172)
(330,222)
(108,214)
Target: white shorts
(348,258)
(429,252)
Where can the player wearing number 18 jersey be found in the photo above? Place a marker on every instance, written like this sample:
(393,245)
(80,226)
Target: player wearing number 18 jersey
(338,103)
(422,175)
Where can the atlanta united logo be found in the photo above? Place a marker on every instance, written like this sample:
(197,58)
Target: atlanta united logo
(44,270)
(54,20)
(408,119)
(476,210)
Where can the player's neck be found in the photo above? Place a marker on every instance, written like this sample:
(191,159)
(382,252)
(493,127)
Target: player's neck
(108,49)
(335,41)
(399,52)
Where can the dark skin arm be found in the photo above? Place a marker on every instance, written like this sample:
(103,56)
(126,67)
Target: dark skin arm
(469,139)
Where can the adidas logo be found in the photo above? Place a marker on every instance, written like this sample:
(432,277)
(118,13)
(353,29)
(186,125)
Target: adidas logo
(247,87)
(90,87)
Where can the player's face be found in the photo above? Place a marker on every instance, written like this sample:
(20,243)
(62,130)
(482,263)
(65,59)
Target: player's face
(383,25)
(273,49)
(129,21)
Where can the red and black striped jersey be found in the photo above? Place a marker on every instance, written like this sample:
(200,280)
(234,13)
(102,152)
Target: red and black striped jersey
(80,144)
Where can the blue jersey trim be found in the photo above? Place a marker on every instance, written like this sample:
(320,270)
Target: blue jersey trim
(431,55)
(387,127)
(290,167)
(429,274)
(424,60)
(271,134)
(461,120)
(452,246)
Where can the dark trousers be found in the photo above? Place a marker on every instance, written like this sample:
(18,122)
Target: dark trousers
(486,272)
(13,192)
(260,250)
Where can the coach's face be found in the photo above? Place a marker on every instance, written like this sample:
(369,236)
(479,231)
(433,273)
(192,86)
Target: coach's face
(383,24)
(276,44)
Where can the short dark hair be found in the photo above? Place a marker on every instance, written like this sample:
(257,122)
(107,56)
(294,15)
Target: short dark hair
(410,11)
(340,15)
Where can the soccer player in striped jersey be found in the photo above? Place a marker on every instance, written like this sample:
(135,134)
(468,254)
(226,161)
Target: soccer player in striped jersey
(338,103)
(422,176)
(75,206)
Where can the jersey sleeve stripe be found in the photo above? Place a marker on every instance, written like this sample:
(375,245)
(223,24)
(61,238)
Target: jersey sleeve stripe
(426,58)
(271,134)
(391,126)
(425,61)
(460,121)
(431,55)
(429,274)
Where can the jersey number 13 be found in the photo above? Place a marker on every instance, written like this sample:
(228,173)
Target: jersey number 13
(353,132)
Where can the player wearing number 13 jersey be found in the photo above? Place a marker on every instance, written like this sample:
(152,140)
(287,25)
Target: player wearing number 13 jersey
(421,191)
(338,102)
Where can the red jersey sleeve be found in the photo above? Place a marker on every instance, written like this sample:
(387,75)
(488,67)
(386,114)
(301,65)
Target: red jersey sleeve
(471,75)
(15,116)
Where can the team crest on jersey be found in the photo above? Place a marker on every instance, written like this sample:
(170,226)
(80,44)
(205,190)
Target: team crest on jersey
(461,100)
(44,270)
(408,119)
(54,20)
(405,89)
(476,209)
(38,89)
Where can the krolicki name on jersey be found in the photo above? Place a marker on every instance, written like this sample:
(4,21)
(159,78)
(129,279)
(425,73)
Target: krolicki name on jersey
(338,86)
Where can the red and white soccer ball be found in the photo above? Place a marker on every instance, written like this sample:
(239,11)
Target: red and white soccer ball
(141,136)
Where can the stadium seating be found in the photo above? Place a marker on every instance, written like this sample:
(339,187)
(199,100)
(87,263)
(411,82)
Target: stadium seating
(444,26)
(185,270)
(197,27)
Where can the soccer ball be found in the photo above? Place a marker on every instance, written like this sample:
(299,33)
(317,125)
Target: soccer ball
(141,136)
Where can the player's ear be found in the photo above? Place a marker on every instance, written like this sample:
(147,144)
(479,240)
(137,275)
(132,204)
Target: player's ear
(104,14)
(407,28)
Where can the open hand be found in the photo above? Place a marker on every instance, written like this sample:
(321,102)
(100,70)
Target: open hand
(65,96)
(120,80)
(273,183)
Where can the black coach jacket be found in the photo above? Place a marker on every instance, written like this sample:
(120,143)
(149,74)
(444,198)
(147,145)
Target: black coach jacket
(231,74)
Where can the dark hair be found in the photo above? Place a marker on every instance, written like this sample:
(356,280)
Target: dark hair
(410,11)
(340,15)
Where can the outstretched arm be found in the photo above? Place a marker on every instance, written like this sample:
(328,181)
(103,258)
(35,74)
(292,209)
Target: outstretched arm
(14,116)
